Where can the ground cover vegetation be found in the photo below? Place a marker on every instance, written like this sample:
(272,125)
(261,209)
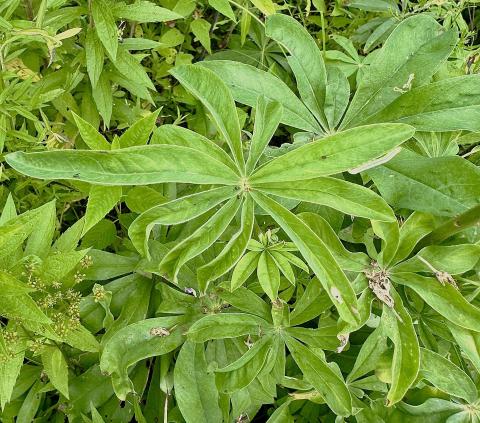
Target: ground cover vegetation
(234,211)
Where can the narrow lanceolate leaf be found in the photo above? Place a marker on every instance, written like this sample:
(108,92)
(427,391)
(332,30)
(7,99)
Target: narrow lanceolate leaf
(232,252)
(410,56)
(442,186)
(147,338)
(144,11)
(41,238)
(324,379)
(389,233)
(317,255)
(105,26)
(347,197)
(337,95)
(90,135)
(444,299)
(175,212)
(306,61)
(334,154)
(446,376)
(469,343)
(244,268)
(195,390)
(406,356)
(94,56)
(223,6)
(100,201)
(199,241)
(247,83)
(268,275)
(129,166)
(226,325)
(267,117)
(219,102)
(56,368)
(139,133)
(447,105)
(177,135)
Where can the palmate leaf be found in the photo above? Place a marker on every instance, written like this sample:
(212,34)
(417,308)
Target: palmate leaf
(128,166)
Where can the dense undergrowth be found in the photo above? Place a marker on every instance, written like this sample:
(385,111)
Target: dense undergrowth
(233,211)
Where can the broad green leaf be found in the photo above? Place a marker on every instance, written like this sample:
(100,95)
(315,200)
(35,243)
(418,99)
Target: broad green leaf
(242,372)
(323,378)
(90,135)
(127,166)
(195,390)
(317,256)
(176,135)
(442,186)
(223,6)
(226,325)
(139,133)
(100,201)
(140,199)
(247,83)
(94,56)
(447,105)
(175,212)
(219,103)
(58,265)
(453,259)
(324,337)
(334,154)
(469,342)
(444,299)
(16,302)
(39,242)
(337,94)
(199,241)
(306,61)
(105,26)
(69,239)
(267,117)
(406,355)
(144,11)
(268,275)
(446,376)
(368,356)
(410,57)
(233,251)
(201,29)
(412,231)
(147,338)
(347,260)
(347,197)
(267,7)
(126,64)
(244,268)
(56,368)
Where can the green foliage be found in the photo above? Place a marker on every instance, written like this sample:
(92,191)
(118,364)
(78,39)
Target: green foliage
(285,230)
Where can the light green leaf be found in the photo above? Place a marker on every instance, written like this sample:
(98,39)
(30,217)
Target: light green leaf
(317,256)
(337,95)
(446,376)
(105,26)
(226,325)
(232,252)
(140,340)
(94,56)
(219,103)
(128,65)
(268,275)
(199,241)
(406,355)
(175,212)
(411,55)
(223,6)
(442,186)
(323,378)
(347,197)
(195,390)
(90,135)
(56,368)
(469,342)
(102,95)
(244,268)
(40,240)
(334,154)
(100,201)
(306,61)
(267,117)
(128,166)
(144,11)
(139,133)
(267,7)
(444,299)
(247,83)
(201,29)
(389,233)
(283,265)
(447,105)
